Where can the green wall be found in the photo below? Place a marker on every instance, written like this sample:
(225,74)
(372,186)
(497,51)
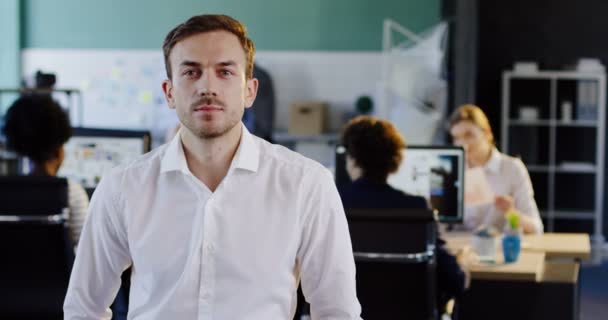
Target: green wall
(273,24)
(9,43)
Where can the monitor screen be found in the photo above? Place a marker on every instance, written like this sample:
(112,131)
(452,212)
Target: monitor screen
(92,152)
(433,172)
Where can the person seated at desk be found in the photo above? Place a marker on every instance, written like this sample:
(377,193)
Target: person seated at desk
(37,127)
(373,151)
(506,176)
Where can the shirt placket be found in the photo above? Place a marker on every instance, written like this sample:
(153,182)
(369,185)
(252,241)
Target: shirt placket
(208,261)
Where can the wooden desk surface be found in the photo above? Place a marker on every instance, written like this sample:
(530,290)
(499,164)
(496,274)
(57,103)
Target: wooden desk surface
(529,267)
(560,245)
(554,245)
(535,250)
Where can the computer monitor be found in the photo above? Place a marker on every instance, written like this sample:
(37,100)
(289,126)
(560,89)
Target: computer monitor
(90,153)
(433,172)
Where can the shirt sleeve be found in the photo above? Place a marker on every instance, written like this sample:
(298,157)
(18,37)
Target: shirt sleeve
(523,195)
(78,201)
(101,257)
(325,255)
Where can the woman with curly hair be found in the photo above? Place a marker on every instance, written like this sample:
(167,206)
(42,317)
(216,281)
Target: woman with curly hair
(374,149)
(37,127)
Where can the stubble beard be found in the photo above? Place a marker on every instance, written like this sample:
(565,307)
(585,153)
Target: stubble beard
(206,131)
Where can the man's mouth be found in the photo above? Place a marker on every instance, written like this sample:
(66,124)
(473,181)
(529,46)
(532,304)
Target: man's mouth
(207,108)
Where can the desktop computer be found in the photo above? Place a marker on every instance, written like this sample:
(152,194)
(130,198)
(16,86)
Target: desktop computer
(90,153)
(433,172)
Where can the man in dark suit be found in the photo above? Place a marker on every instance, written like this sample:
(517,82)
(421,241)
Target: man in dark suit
(373,151)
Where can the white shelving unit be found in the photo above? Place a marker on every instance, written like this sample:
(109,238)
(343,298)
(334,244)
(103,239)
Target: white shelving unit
(552,132)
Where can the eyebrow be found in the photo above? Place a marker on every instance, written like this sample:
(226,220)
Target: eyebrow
(189,63)
(229,63)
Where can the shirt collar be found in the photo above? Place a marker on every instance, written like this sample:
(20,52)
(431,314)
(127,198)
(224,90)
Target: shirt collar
(174,158)
(493,165)
(248,153)
(246,156)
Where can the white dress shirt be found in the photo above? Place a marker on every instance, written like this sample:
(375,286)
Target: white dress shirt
(236,253)
(506,176)
(78,202)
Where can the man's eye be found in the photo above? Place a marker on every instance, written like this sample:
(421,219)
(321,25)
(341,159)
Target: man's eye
(190,73)
(225,72)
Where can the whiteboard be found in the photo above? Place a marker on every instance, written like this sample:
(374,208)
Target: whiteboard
(122,88)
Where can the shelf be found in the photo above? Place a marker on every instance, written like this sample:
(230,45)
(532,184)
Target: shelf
(558,169)
(575,170)
(565,214)
(565,159)
(557,123)
(538,168)
(557,75)
(576,123)
(517,122)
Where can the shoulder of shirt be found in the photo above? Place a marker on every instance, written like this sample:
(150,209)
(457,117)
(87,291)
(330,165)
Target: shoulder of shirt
(270,152)
(511,162)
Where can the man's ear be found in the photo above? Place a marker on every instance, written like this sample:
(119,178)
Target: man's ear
(168,90)
(252,91)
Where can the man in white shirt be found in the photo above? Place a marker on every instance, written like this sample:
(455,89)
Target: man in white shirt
(216,224)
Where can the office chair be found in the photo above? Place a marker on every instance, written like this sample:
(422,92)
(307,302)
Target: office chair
(394,253)
(37,254)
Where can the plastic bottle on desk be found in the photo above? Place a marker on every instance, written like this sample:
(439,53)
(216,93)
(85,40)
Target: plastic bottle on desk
(511,239)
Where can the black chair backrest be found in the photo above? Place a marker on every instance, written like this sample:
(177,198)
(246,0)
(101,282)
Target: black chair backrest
(37,254)
(396,266)
(32,195)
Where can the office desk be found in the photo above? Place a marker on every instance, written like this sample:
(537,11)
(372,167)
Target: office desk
(543,284)
(529,267)
(574,246)
(560,245)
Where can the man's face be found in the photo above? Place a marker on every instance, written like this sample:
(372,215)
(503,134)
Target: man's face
(208,89)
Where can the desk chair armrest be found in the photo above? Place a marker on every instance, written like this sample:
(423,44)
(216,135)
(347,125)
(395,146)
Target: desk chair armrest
(417,257)
(46,219)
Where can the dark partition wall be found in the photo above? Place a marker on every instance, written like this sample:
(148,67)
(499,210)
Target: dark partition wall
(554,33)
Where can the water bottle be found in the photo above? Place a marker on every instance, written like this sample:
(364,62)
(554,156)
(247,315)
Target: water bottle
(511,239)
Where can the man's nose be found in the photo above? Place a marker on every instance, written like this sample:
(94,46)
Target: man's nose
(206,84)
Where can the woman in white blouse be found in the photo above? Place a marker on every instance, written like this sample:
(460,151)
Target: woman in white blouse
(506,176)
(37,127)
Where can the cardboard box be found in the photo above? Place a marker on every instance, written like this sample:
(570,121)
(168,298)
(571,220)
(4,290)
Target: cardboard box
(307,117)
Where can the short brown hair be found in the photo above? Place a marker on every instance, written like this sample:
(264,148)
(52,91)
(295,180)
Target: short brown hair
(375,145)
(473,114)
(207,23)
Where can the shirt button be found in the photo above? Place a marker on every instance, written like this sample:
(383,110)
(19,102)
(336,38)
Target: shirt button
(211,248)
